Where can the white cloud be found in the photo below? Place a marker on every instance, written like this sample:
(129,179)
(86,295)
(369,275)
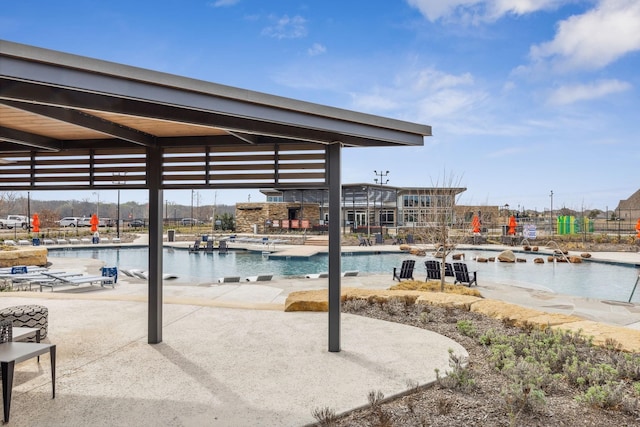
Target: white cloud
(594,39)
(583,92)
(432,93)
(480,10)
(286,27)
(316,49)
(223,3)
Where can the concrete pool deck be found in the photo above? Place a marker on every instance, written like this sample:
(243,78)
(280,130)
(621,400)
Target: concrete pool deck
(231,356)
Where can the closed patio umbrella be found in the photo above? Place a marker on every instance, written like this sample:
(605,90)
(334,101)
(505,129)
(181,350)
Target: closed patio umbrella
(36,223)
(638,228)
(475,224)
(94,222)
(512,225)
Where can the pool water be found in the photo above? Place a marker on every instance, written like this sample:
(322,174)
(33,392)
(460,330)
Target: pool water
(588,279)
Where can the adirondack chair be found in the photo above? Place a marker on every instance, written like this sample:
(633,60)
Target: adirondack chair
(406,270)
(195,247)
(433,269)
(448,270)
(463,275)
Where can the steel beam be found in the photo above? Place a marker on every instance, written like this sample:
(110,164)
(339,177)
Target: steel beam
(335,247)
(154,179)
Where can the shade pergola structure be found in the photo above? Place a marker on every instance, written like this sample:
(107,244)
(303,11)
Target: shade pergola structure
(74,123)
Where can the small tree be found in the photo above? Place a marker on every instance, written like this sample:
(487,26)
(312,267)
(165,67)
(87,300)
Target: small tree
(438,220)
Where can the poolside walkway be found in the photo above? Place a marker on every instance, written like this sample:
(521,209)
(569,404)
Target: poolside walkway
(230,356)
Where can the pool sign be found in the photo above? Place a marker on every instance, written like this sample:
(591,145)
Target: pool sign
(529,231)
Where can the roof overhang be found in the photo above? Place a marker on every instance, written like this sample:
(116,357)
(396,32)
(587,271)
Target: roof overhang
(54,104)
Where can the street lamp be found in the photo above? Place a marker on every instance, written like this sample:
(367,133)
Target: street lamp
(382,180)
(551,214)
(119,182)
(97,194)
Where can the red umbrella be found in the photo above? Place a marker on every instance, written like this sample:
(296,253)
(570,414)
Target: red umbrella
(638,228)
(94,222)
(512,225)
(475,223)
(36,223)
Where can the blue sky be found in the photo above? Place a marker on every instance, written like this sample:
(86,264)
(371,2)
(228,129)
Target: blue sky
(525,97)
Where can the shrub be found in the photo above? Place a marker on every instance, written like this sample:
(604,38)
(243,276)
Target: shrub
(459,378)
(465,327)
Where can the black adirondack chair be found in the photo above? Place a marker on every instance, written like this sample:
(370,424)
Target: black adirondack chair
(463,275)
(195,247)
(448,270)
(433,269)
(406,270)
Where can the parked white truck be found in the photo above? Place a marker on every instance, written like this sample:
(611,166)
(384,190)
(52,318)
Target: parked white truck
(14,221)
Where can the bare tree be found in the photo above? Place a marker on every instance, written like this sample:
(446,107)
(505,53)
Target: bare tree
(437,218)
(9,203)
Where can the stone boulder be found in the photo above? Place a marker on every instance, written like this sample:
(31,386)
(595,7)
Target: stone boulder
(535,249)
(521,260)
(418,252)
(507,256)
(575,259)
(585,255)
(481,259)
(29,255)
(538,260)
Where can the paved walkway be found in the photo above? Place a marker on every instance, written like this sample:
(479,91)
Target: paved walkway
(230,356)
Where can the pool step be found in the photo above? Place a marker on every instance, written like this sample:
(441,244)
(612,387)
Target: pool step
(317,241)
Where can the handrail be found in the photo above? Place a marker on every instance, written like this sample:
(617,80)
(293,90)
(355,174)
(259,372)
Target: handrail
(634,288)
(557,249)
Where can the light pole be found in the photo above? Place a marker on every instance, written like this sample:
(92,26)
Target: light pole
(191,220)
(551,214)
(118,180)
(97,194)
(381,177)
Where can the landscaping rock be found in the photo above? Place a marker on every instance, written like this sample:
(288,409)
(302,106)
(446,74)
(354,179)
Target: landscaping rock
(507,256)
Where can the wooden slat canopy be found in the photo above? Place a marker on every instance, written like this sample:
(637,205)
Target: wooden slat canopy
(69,121)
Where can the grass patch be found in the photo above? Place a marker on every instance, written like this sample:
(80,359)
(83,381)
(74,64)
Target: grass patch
(434,286)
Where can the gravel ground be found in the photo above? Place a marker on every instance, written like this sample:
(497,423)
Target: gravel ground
(488,401)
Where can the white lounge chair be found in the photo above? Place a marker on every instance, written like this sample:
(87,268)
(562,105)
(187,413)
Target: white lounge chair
(351,273)
(229,279)
(61,279)
(62,241)
(74,241)
(322,275)
(9,242)
(260,278)
(48,242)
(23,242)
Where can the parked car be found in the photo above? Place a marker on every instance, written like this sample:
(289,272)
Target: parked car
(15,221)
(190,221)
(69,221)
(137,223)
(84,222)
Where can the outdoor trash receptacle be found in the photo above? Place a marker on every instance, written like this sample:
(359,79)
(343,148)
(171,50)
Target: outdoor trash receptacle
(205,237)
(95,240)
(171,235)
(35,241)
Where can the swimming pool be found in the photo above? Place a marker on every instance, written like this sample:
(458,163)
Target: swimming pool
(588,279)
